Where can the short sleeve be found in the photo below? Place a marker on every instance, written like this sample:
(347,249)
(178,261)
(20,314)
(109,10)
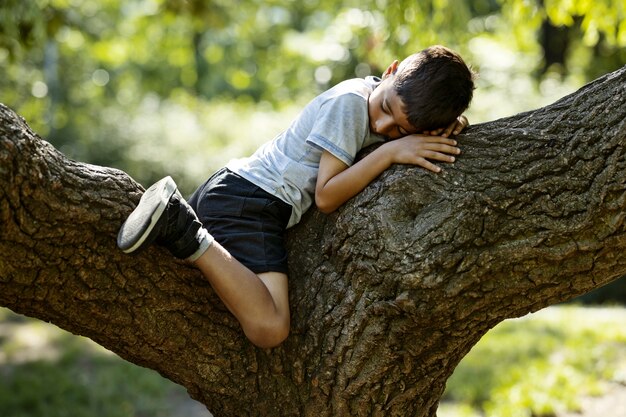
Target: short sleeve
(341,126)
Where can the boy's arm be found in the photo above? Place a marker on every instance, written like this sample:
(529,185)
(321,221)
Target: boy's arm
(337,182)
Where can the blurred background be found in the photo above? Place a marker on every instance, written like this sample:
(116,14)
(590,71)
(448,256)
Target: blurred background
(179,87)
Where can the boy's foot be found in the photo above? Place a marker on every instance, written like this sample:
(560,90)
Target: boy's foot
(163,216)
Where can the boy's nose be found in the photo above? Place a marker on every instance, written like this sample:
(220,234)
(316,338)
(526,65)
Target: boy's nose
(383,124)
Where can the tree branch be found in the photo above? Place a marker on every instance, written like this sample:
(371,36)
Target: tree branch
(387,294)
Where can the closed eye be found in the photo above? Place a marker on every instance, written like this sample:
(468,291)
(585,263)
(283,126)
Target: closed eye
(385,108)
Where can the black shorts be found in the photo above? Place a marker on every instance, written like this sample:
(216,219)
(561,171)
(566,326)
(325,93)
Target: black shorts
(246,220)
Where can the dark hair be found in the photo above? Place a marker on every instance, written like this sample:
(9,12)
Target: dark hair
(435,85)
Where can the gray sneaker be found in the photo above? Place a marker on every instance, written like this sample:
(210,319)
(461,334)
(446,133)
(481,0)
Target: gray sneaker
(163,217)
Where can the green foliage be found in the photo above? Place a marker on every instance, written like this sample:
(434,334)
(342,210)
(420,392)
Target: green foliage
(591,35)
(542,364)
(187,137)
(79,71)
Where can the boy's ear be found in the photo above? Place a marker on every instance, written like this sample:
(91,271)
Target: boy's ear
(391,69)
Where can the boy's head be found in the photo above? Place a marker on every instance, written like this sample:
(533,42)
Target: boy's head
(434,87)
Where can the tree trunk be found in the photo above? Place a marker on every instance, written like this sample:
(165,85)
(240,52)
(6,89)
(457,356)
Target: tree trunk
(387,294)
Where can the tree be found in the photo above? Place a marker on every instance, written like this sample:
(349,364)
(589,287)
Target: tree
(388,293)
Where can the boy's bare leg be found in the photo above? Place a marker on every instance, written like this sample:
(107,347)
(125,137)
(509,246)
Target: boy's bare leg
(259,302)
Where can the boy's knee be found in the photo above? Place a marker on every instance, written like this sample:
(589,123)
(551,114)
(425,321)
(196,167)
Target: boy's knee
(268,334)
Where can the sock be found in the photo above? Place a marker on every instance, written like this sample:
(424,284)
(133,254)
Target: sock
(205,240)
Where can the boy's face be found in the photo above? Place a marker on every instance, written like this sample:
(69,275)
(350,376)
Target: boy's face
(386,109)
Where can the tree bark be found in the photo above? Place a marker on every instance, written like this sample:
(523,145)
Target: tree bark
(387,294)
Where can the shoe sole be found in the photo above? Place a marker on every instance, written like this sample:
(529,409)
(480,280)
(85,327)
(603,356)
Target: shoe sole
(136,232)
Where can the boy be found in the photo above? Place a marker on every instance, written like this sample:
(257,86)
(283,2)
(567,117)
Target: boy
(237,236)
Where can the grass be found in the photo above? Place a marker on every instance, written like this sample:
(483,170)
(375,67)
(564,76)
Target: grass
(47,372)
(538,365)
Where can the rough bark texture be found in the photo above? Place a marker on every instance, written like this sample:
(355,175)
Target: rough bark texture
(387,294)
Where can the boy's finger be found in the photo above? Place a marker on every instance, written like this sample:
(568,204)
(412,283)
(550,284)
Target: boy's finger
(446,149)
(424,163)
(440,139)
(461,124)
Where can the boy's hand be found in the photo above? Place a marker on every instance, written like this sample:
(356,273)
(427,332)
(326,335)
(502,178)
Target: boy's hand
(454,128)
(419,149)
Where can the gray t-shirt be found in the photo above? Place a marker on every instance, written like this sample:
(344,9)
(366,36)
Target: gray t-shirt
(336,121)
